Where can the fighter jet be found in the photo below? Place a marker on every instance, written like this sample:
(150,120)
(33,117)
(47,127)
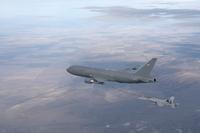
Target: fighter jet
(99,76)
(161,102)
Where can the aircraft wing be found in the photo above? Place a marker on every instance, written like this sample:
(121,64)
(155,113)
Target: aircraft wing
(152,99)
(99,79)
(160,104)
(146,98)
(130,69)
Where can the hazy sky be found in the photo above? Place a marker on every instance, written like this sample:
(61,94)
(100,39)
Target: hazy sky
(39,40)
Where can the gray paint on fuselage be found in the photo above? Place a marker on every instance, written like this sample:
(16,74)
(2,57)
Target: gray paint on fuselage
(142,75)
(109,75)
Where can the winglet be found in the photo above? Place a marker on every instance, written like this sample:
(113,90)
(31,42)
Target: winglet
(146,69)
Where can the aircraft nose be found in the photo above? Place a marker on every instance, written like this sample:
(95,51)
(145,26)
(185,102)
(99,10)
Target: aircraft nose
(69,69)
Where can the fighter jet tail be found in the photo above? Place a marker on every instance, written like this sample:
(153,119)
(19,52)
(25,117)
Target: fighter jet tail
(146,69)
(172,100)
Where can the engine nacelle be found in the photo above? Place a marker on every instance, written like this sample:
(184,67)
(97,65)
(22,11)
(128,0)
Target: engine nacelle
(92,81)
(89,81)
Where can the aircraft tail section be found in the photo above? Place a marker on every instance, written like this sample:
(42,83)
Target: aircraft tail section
(172,99)
(146,69)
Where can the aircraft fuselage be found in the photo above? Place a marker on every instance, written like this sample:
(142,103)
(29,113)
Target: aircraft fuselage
(108,75)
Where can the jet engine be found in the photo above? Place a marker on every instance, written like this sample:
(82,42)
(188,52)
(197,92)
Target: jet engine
(90,81)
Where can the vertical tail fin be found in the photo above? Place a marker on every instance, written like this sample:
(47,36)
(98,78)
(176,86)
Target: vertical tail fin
(172,100)
(145,70)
